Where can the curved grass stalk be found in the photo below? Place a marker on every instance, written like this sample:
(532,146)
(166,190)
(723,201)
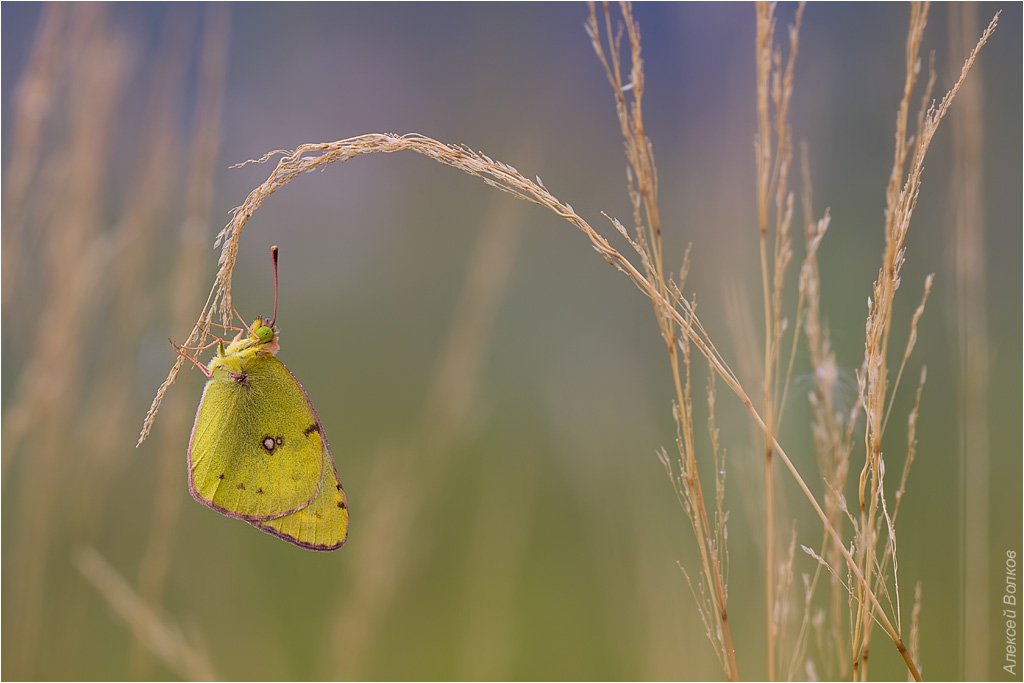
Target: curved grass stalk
(506,178)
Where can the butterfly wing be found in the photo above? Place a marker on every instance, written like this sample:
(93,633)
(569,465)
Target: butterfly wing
(256,451)
(323,525)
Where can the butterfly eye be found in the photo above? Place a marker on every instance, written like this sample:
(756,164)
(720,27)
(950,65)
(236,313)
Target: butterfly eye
(264,333)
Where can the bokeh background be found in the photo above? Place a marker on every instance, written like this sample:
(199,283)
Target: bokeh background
(494,392)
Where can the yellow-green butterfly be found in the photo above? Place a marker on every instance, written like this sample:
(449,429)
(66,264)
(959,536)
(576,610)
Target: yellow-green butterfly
(258,451)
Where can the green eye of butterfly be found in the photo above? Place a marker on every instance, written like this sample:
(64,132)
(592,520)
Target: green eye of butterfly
(258,451)
(264,334)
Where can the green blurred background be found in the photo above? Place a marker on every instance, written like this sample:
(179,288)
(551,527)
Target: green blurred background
(494,392)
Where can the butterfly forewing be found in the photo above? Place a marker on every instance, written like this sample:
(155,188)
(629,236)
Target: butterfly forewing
(256,452)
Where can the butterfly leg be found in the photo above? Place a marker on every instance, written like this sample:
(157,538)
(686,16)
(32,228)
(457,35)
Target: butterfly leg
(180,350)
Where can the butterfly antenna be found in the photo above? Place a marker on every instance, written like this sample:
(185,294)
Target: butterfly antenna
(273,257)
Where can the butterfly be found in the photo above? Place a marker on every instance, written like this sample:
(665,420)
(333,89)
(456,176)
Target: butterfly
(258,451)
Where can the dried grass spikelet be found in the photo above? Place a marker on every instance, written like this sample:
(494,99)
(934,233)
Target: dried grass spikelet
(313,156)
(642,189)
(711,592)
(901,199)
(832,429)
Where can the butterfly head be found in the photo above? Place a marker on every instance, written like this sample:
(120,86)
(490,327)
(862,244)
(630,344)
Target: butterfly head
(262,330)
(263,335)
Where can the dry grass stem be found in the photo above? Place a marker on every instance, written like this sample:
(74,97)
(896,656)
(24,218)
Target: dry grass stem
(911,341)
(34,100)
(974,344)
(162,638)
(74,256)
(782,611)
(130,240)
(184,289)
(915,625)
(646,241)
(93,246)
(831,428)
(677,318)
(773,153)
(901,199)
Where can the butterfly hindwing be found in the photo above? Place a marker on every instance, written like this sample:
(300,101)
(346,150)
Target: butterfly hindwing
(256,451)
(323,524)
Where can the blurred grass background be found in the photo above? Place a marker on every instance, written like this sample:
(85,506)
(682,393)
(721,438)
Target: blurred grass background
(493,392)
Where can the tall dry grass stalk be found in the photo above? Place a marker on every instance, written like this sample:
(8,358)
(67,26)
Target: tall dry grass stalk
(183,289)
(773,154)
(74,255)
(875,529)
(34,101)
(189,660)
(64,426)
(915,624)
(711,591)
(130,255)
(970,313)
(865,567)
(833,430)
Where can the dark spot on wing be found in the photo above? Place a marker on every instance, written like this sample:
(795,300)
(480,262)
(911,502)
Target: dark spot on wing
(337,486)
(259,490)
(241,486)
(311,429)
(342,505)
(220,476)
